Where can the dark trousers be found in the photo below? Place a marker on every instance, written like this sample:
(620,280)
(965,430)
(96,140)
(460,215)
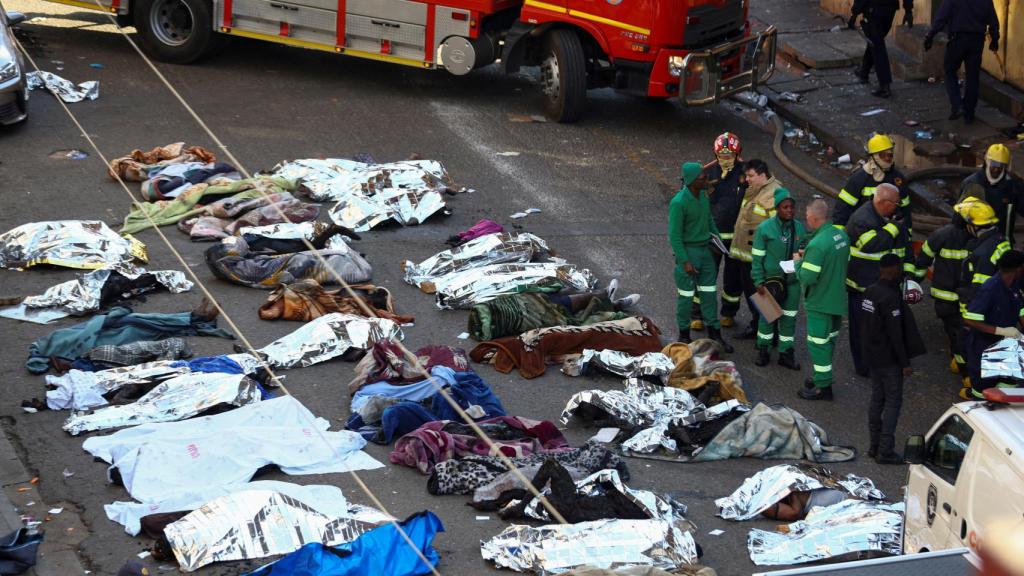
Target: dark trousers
(879,22)
(976,343)
(854,317)
(884,408)
(964,48)
(953,326)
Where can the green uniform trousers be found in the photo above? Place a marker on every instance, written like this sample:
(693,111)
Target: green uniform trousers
(703,283)
(785,326)
(822,332)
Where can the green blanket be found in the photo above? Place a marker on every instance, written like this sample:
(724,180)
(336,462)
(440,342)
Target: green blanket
(514,314)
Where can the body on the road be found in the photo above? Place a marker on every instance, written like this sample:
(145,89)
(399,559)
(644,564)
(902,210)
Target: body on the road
(965,23)
(775,241)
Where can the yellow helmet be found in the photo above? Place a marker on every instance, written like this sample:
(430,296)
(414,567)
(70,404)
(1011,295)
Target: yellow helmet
(880,143)
(976,212)
(998,153)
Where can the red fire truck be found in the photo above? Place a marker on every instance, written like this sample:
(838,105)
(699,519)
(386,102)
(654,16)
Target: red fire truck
(645,47)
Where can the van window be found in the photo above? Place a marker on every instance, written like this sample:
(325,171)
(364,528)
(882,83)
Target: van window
(948,447)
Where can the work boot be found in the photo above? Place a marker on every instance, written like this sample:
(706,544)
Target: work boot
(967,394)
(716,335)
(815,393)
(809,383)
(956,114)
(684,336)
(883,91)
(861,75)
(727,322)
(873,450)
(953,366)
(749,334)
(764,356)
(787,359)
(889,458)
(697,325)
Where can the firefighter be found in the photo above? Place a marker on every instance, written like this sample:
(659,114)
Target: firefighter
(945,251)
(821,271)
(873,233)
(776,240)
(983,250)
(758,206)
(877,21)
(861,185)
(690,228)
(994,184)
(993,313)
(727,181)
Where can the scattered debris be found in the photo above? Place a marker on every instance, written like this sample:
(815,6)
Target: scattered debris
(96,65)
(62,88)
(790,97)
(508,153)
(72,154)
(716,532)
(873,112)
(923,135)
(55,511)
(527,118)
(68,473)
(524,213)
(910,123)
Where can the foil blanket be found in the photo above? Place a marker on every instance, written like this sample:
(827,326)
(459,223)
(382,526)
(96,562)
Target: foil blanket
(368,194)
(478,285)
(850,527)
(557,548)
(83,295)
(327,337)
(1004,359)
(498,248)
(175,399)
(62,88)
(647,365)
(85,244)
(596,484)
(764,489)
(252,524)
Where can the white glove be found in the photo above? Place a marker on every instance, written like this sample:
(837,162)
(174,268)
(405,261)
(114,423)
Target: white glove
(1008,332)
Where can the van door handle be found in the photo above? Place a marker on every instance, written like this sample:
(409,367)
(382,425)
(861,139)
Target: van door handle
(947,507)
(963,529)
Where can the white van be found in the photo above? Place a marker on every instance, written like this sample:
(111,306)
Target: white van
(967,472)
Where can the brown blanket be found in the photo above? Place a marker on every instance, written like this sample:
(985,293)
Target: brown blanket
(306,299)
(531,351)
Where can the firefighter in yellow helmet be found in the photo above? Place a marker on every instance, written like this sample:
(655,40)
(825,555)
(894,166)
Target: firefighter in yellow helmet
(994,184)
(860,186)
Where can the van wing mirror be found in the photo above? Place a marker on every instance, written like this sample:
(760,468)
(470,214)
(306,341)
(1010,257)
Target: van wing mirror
(913,451)
(15,18)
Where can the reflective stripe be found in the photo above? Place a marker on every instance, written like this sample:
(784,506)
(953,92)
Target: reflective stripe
(763,336)
(825,368)
(785,338)
(696,299)
(847,197)
(892,229)
(920,272)
(953,254)
(725,235)
(867,191)
(685,293)
(928,250)
(854,285)
(974,316)
(789,313)
(909,268)
(959,359)
(905,201)
(760,211)
(757,252)
(1021,312)
(816,340)
(901,252)
(944,294)
(833,335)
(866,237)
(867,255)
(811,267)
(979,278)
(999,251)
(706,289)
(730,298)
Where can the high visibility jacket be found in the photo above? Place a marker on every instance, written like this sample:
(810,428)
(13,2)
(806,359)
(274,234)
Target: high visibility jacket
(775,241)
(860,188)
(981,264)
(945,250)
(822,271)
(726,196)
(758,205)
(872,237)
(1006,198)
(689,223)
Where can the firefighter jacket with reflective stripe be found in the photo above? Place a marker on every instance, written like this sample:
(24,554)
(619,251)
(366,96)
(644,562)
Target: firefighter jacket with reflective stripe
(726,196)
(822,271)
(1006,198)
(775,241)
(758,205)
(872,237)
(982,262)
(689,223)
(945,250)
(860,188)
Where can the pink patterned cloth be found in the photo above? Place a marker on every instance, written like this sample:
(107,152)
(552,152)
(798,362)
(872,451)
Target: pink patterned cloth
(481,228)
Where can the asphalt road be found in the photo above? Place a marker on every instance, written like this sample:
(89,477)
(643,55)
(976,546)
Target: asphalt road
(602,185)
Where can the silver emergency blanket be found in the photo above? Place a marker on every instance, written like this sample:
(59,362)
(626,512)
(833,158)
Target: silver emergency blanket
(171,400)
(557,548)
(478,285)
(655,506)
(830,532)
(86,244)
(81,296)
(62,88)
(1004,359)
(259,523)
(762,490)
(327,337)
(168,460)
(80,390)
(296,231)
(649,364)
(497,248)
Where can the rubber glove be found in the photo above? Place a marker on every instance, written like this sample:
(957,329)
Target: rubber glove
(1008,332)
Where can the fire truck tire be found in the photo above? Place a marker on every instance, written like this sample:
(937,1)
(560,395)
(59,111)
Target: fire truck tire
(563,76)
(176,31)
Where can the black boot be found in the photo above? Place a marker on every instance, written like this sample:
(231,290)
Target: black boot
(684,336)
(749,333)
(886,452)
(787,359)
(764,356)
(815,393)
(883,91)
(716,335)
(872,450)
(862,75)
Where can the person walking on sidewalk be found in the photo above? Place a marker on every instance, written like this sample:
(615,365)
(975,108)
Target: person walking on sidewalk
(690,228)
(821,272)
(775,241)
(993,314)
(890,339)
(727,184)
(758,206)
(873,234)
(994,184)
(876,23)
(861,185)
(964,22)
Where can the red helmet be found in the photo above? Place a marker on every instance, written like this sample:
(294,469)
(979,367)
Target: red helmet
(728,143)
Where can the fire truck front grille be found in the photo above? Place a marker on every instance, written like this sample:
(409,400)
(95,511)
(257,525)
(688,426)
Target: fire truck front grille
(710,24)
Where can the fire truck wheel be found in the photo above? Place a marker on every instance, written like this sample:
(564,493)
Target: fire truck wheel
(563,76)
(176,31)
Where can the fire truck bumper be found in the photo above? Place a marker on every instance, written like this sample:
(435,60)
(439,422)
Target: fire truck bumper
(706,76)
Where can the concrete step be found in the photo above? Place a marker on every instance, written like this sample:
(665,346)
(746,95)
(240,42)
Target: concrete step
(906,68)
(912,43)
(812,51)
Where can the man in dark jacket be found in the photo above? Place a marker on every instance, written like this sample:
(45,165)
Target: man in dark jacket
(877,21)
(890,339)
(993,314)
(964,22)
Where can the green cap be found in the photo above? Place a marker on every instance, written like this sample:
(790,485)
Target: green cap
(690,172)
(780,195)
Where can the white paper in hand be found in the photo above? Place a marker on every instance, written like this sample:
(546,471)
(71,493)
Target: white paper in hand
(788,266)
